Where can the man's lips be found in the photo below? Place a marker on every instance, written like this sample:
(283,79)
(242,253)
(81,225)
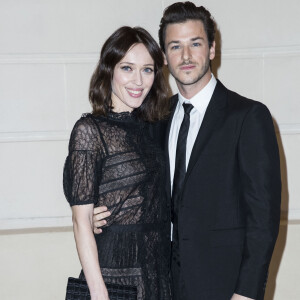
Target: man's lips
(136,93)
(187,67)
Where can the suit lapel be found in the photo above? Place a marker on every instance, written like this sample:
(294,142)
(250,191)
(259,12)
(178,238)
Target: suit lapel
(173,100)
(213,115)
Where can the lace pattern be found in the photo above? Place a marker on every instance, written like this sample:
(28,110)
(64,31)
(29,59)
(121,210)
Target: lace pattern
(117,161)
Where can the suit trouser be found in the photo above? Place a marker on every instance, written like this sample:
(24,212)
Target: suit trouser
(179,291)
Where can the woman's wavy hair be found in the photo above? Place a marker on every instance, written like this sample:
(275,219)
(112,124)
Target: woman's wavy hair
(156,105)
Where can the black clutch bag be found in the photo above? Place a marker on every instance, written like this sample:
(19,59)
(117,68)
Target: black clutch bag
(77,289)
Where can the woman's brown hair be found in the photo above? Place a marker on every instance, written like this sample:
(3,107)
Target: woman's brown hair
(156,105)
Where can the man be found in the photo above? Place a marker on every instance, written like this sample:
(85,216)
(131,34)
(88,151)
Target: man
(224,179)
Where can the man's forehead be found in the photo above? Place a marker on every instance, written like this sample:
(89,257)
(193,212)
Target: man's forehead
(188,30)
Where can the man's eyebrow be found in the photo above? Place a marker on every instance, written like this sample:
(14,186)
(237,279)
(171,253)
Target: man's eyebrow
(197,38)
(173,42)
(192,39)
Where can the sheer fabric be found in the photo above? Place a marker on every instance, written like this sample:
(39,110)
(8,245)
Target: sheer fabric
(117,161)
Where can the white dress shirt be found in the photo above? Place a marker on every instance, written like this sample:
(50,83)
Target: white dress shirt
(200,102)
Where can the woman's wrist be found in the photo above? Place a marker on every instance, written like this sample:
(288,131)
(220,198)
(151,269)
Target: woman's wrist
(100,294)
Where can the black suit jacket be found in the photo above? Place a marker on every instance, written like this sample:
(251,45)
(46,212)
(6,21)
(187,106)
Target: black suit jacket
(229,209)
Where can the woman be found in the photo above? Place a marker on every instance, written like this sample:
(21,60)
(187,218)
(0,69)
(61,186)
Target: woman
(115,159)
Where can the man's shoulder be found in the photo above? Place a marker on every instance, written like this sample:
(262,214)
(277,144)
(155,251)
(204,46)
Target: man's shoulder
(173,100)
(238,101)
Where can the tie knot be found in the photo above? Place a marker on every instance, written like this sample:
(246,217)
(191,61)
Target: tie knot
(187,107)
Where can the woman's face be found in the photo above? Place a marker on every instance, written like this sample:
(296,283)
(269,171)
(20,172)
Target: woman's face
(132,79)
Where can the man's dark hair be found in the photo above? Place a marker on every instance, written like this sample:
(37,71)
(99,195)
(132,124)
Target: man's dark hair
(181,12)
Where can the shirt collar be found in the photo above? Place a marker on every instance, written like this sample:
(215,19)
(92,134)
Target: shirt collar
(201,100)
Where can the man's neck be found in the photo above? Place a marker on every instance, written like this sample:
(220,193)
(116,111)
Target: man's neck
(188,91)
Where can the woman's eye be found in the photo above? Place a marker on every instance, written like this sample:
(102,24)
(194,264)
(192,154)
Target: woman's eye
(148,70)
(126,68)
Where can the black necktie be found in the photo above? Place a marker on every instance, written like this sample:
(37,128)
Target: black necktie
(180,161)
(179,174)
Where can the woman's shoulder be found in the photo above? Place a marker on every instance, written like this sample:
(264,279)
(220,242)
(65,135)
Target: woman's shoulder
(87,122)
(85,133)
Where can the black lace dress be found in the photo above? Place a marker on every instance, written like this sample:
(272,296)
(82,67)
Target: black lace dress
(117,161)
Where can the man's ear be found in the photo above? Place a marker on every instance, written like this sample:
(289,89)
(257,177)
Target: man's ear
(165,59)
(212,51)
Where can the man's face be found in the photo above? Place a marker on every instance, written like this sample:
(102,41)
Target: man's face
(187,53)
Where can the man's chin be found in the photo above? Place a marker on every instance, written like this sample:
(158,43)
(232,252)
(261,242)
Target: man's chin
(187,81)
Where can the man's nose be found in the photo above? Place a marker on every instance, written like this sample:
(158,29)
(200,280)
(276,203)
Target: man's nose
(186,53)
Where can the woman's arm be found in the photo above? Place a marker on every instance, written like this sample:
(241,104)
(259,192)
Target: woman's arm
(87,250)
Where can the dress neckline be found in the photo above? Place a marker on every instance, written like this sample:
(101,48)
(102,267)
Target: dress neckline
(122,116)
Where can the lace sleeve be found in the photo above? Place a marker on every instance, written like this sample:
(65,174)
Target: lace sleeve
(81,170)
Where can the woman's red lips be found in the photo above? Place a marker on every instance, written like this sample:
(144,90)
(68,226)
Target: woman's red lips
(136,93)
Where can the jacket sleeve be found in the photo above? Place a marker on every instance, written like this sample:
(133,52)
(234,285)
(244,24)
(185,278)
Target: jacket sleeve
(261,195)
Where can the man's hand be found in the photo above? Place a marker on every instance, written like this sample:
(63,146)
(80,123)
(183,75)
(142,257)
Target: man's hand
(239,297)
(100,213)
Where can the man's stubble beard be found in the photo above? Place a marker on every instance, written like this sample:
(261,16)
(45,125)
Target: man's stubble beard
(191,81)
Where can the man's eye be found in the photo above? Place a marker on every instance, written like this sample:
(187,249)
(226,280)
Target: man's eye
(126,68)
(196,44)
(175,47)
(148,70)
